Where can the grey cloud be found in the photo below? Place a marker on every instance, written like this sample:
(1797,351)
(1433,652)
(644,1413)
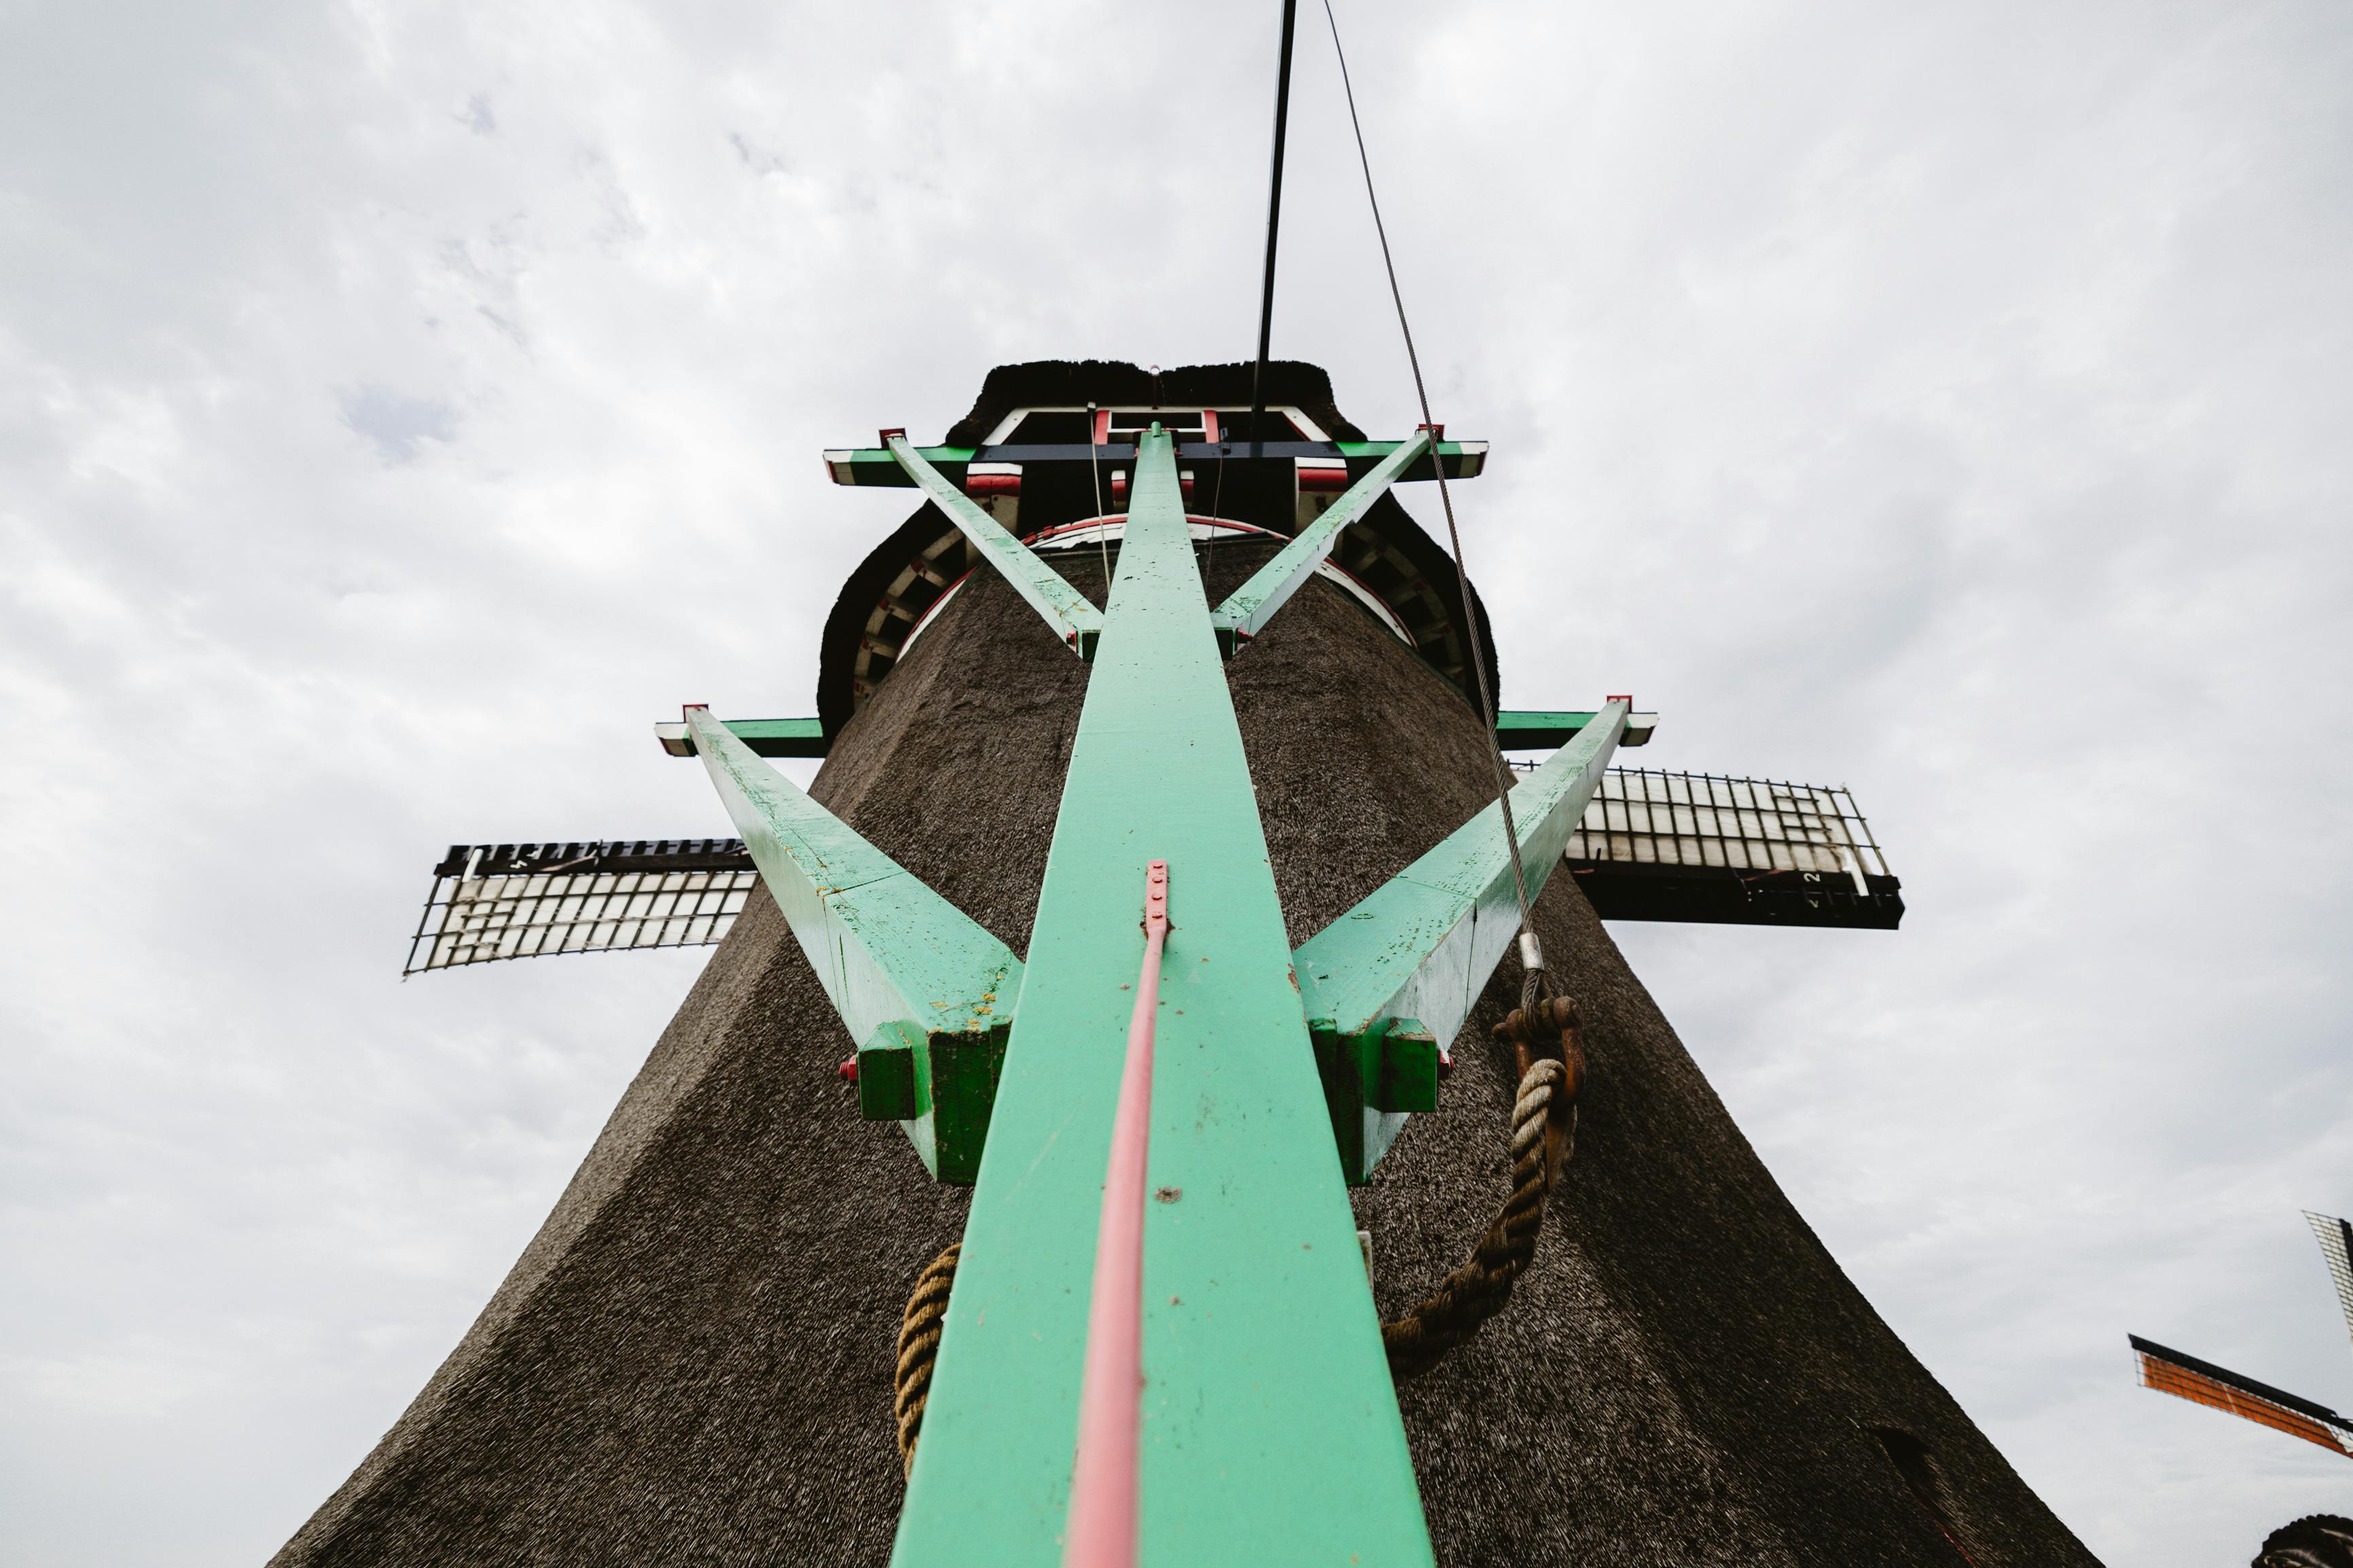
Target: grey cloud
(397,426)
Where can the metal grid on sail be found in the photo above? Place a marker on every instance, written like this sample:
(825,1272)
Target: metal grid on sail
(2335,1239)
(1653,817)
(1660,845)
(493,901)
(2203,1382)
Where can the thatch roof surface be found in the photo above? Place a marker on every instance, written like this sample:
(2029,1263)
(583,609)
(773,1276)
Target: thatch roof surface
(691,1364)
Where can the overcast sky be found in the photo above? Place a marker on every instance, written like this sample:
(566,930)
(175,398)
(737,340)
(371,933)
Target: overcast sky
(402,406)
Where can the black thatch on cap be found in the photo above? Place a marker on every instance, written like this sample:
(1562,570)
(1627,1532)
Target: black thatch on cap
(2315,1540)
(1061,382)
(1303,386)
(692,1364)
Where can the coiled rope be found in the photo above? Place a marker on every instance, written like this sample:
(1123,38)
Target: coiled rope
(1548,1037)
(919,1348)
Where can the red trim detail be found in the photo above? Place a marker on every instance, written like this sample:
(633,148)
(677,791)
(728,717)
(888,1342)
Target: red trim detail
(1227,523)
(1209,425)
(891,430)
(1102,426)
(979,485)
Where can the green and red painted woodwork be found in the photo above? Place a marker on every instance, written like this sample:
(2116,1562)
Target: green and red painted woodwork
(924,988)
(1517,730)
(1269,1427)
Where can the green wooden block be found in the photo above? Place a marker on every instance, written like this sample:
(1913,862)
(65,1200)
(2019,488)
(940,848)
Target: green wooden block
(1346,1064)
(886,1074)
(1408,1068)
(959,1075)
(1389,1067)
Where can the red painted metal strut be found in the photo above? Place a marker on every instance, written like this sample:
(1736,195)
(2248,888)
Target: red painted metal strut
(1102,1531)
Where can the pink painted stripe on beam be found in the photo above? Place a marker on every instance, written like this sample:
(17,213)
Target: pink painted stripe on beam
(1105,1486)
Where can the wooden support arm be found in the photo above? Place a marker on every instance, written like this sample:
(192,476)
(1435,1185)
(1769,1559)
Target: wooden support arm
(1077,622)
(1424,944)
(925,991)
(1251,606)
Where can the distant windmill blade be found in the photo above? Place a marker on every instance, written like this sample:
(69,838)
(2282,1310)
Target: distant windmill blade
(492,902)
(2336,1239)
(2203,1382)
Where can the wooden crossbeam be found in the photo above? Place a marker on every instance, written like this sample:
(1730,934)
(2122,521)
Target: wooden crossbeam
(1077,622)
(925,991)
(1423,945)
(1251,606)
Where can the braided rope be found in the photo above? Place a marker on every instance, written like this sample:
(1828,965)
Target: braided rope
(1544,1134)
(919,1347)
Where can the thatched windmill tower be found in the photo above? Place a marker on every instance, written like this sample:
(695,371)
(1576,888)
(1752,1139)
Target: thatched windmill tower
(694,1360)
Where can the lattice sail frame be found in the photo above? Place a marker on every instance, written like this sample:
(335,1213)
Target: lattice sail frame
(494,901)
(1650,817)
(2335,1239)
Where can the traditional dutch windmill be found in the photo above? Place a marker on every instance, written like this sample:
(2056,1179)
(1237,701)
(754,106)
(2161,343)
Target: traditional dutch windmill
(1155,919)
(1163,863)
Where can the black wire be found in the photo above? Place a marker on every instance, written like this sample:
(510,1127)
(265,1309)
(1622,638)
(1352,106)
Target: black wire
(1454,535)
(1274,220)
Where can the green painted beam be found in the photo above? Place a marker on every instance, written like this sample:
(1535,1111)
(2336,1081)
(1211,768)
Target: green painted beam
(1532,729)
(1423,944)
(879,466)
(924,990)
(1517,730)
(1251,606)
(765,737)
(1270,1429)
(1077,622)
(1540,730)
(1462,459)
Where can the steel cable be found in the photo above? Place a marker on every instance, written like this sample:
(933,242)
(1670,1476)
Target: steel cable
(1531,951)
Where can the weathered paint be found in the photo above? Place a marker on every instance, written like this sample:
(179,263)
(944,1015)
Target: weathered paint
(1077,622)
(1270,1429)
(1251,606)
(1424,944)
(896,959)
